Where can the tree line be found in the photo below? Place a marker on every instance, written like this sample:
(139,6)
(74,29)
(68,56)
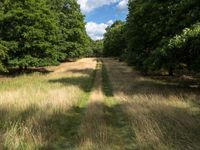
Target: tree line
(37,33)
(158,35)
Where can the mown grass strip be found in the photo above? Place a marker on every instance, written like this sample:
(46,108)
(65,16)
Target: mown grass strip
(120,136)
(106,86)
(72,120)
(88,88)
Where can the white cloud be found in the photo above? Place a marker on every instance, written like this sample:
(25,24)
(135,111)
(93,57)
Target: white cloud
(89,5)
(123,4)
(110,22)
(96,31)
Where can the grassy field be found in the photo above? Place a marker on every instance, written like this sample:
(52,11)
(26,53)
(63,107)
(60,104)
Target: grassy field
(43,111)
(161,115)
(95,104)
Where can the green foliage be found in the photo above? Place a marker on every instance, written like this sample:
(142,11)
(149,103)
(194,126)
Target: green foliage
(73,39)
(183,48)
(3,55)
(114,39)
(97,48)
(163,34)
(41,33)
(32,27)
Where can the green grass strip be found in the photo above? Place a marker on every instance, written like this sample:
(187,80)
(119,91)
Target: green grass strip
(107,88)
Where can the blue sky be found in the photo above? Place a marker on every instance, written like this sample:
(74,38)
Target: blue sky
(99,14)
(105,13)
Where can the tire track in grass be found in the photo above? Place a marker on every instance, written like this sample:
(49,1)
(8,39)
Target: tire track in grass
(104,126)
(120,130)
(93,131)
(68,123)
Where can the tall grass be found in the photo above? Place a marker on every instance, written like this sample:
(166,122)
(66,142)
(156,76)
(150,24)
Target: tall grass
(161,115)
(123,110)
(119,133)
(44,111)
(103,126)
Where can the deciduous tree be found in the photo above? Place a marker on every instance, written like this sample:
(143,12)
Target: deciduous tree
(114,39)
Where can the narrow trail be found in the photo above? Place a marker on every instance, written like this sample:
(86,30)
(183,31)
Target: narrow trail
(93,131)
(103,126)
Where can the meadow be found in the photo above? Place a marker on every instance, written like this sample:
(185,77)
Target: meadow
(161,114)
(95,104)
(40,111)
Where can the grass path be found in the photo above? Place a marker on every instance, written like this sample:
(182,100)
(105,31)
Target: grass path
(104,126)
(44,111)
(93,131)
(59,111)
(110,107)
(120,131)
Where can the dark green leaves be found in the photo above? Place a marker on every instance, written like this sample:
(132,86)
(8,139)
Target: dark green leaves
(161,34)
(41,32)
(114,40)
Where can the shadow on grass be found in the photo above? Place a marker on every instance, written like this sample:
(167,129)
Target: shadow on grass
(130,83)
(181,81)
(106,86)
(60,129)
(14,72)
(179,126)
(173,127)
(165,89)
(121,135)
(83,82)
(16,115)
(80,71)
(162,126)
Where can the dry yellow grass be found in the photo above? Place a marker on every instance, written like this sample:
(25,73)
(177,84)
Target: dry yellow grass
(160,115)
(103,127)
(57,110)
(34,108)
(93,130)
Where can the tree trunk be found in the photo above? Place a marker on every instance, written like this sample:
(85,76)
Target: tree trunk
(171,71)
(25,68)
(20,69)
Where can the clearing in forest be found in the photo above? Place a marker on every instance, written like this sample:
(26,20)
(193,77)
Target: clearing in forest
(95,104)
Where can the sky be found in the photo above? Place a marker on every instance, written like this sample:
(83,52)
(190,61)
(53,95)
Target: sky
(99,14)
